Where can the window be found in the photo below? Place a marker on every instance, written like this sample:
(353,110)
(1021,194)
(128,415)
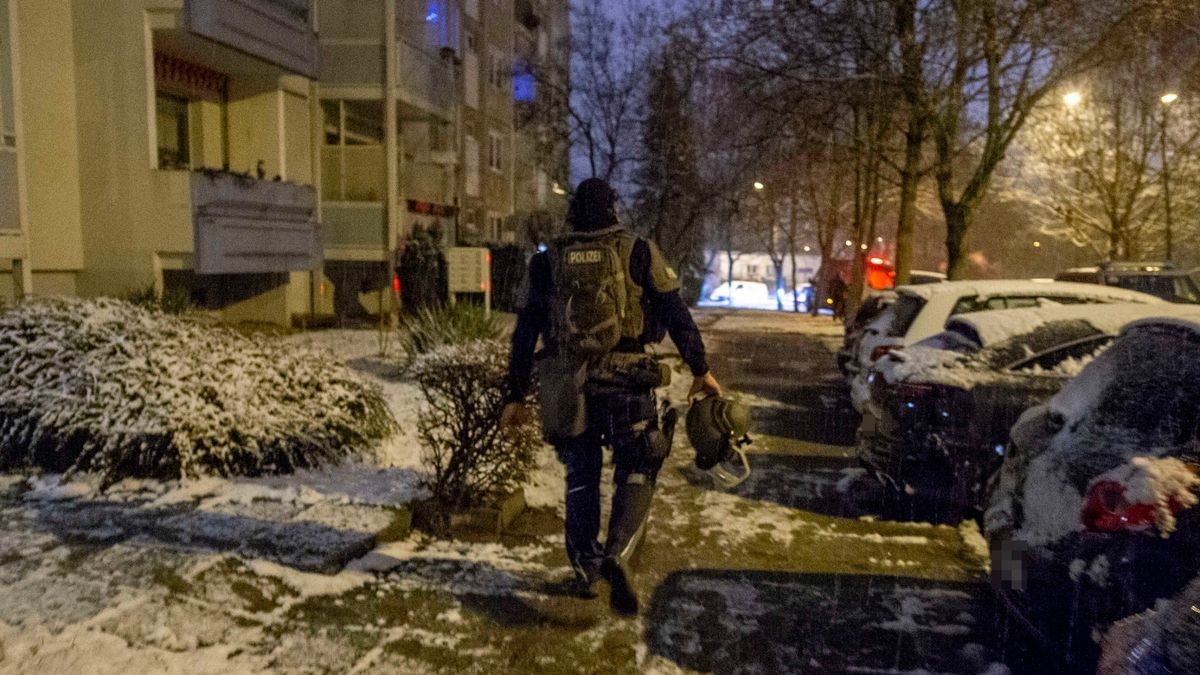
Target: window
(495,151)
(173,129)
(751,270)
(8,132)
(471,73)
(494,224)
(903,314)
(524,86)
(471,165)
(499,70)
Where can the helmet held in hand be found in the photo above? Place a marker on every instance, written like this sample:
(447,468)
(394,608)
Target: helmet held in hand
(717,429)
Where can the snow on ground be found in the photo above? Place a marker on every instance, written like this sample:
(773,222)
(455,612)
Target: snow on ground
(421,605)
(767,322)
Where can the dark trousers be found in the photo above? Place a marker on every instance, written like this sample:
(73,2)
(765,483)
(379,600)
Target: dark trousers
(627,422)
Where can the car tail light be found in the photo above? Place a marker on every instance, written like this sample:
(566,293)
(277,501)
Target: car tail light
(907,390)
(1106,509)
(882,351)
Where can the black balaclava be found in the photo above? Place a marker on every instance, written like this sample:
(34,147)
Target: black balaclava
(593,206)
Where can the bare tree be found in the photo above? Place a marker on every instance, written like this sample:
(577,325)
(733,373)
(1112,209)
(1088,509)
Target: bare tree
(1092,162)
(999,60)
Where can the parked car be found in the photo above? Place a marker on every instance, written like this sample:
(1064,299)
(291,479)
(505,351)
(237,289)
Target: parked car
(872,306)
(1163,279)
(1092,516)
(921,311)
(940,410)
(742,293)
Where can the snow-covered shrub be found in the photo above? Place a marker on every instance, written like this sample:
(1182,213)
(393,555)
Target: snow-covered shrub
(429,329)
(467,456)
(105,386)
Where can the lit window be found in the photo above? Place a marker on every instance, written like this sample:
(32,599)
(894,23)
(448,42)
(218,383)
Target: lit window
(172,120)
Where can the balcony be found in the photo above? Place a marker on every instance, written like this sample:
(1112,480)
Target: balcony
(276,31)
(426,79)
(242,225)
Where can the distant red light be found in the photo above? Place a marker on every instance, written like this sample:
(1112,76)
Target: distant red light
(396,284)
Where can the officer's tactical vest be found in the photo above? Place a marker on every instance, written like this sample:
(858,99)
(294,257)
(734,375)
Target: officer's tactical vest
(595,302)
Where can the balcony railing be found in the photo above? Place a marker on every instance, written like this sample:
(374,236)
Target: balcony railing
(426,79)
(242,225)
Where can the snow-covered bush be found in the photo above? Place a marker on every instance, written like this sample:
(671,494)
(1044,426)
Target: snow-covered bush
(467,456)
(106,386)
(429,329)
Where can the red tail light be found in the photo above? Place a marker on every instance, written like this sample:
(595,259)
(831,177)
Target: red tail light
(1107,510)
(907,390)
(882,351)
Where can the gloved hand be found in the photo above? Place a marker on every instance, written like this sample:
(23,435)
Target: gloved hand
(705,385)
(513,415)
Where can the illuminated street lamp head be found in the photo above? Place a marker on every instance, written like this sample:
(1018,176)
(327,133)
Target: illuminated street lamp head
(1169,98)
(1072,98)
(849,243)
(758,185)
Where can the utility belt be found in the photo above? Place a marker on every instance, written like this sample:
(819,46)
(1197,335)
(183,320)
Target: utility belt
(627,370)
(568,380)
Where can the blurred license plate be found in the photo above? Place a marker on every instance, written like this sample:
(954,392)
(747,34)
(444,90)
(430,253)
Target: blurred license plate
(1010,564)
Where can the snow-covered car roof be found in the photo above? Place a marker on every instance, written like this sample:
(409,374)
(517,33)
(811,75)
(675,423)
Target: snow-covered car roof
(1002,324)
(1025,286)
(931,360)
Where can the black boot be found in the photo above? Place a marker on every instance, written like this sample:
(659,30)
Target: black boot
(585,582)
(622,598)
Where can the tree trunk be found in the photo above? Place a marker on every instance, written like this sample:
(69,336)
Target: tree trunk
(910,178)
(729,281)
(795,297)
(911,58)
(779,283)
(956,241)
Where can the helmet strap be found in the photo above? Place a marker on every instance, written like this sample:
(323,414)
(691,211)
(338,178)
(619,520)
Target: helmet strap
(725,478)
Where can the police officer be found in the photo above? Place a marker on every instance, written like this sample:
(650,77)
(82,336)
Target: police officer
(618,404)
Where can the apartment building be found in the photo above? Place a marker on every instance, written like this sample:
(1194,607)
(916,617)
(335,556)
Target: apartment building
(187,144)
(420,131)
(161,142)
(541,171)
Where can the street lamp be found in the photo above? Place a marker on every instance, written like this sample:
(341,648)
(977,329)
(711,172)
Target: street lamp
(758,185)
(1072,98)
(1167,99)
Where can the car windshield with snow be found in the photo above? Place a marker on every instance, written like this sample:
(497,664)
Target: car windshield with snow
(1092,519)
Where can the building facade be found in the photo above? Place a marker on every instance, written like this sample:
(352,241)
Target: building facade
(221,149)
(421,134)
(164,143)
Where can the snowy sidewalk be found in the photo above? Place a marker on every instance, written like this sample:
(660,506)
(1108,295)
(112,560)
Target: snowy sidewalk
(780,575)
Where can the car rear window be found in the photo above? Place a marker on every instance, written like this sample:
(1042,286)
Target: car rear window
(904,312)
(1154,284)
(1042,339)
(1152,388)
